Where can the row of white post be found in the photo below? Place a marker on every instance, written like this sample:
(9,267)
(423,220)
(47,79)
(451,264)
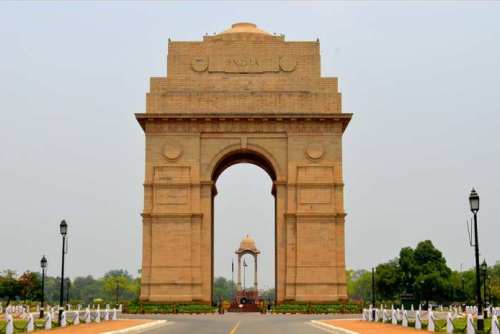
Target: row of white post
(375,315)
(21,309)
(99,315)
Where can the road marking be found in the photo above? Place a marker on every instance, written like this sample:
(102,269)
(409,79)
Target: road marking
(330,328)
(233,330)
(319,327)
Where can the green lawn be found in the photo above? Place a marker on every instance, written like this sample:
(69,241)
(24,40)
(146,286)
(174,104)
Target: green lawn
(19,325)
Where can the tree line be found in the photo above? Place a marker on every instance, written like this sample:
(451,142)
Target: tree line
(114,287)
(421,275)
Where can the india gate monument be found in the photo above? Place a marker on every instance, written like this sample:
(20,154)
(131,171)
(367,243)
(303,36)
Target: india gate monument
(243,96)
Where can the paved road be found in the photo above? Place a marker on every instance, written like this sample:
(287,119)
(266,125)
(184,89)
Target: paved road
(237,323)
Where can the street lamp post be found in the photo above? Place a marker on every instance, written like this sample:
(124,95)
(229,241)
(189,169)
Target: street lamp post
(68,286)
(63,228)
(484,267)
(373,294)
(474,207)
(43,264)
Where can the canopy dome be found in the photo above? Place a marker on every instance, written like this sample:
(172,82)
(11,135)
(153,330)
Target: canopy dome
(247,244)
(244,27)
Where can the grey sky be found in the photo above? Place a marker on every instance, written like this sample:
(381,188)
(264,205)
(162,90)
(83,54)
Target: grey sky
(421,78)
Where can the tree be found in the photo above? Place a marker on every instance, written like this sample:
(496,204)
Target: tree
(433,275)
(388,280)
(30,286)
(117,283)
(9,286)
(223,289)
(85,289)
(359,284)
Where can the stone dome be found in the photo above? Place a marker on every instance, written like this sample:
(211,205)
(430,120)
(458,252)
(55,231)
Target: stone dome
(247,244)
(244,27)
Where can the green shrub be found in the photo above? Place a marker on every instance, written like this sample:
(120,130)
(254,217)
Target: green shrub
(318,308)
(137,307)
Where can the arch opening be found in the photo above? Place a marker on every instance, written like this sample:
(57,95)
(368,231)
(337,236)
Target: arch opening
(241,208)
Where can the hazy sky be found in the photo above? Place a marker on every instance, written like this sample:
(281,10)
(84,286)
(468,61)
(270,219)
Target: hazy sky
(422,80)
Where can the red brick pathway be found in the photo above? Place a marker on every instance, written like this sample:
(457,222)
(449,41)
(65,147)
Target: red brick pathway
(365,327)
(97,328)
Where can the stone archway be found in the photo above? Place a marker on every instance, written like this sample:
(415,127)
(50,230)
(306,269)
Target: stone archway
(243,96)
(255,155)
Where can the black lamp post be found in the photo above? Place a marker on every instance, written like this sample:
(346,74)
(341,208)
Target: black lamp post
(373,294)
(43,264)
(68,286)
(484,269)
(63,228)
(474,207)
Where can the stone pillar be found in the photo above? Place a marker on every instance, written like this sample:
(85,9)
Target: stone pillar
(239,272)
(255,273)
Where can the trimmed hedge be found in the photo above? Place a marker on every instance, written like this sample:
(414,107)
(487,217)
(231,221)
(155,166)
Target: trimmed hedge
(140,308)
(318,308)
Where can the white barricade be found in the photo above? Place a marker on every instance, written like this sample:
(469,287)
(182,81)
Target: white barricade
(494,325)
(470,325)
(394,317)
(418,321)
(405,319)
(449,323)
(63,319)
(30,326)
(88,319)
(430,321)
(9,327)
(48,321)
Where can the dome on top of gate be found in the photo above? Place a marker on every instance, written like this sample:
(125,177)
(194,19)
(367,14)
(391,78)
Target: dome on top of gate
(244,27)
(247,244)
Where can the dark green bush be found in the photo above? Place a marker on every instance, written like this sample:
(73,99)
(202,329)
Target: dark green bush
(317,308)
(137,307)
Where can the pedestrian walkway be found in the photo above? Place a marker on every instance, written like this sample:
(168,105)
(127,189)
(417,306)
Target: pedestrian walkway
(97,328)
(365,327)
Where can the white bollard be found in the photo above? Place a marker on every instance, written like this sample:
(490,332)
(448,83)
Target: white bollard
(48,321)
(9,327)
(384,316)
(114,315)
(120,308)
(63,319)
(76,318)
(370,314)
(394,317)
(430,318)
(30,326)
(97,315)
(363,313)
(412,308)
(470,325)
(106,314)
(418,321)
(449,323)
(495,328)
(88,320)
(405,318)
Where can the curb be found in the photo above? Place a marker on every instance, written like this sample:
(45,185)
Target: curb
(335,329)
(141,328)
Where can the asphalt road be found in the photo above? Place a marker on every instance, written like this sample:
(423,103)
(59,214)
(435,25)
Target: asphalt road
(238,323)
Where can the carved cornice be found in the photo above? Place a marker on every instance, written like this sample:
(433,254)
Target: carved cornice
(239,122)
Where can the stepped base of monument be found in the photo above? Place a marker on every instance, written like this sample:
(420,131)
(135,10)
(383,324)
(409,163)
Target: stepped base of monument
(244,308)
